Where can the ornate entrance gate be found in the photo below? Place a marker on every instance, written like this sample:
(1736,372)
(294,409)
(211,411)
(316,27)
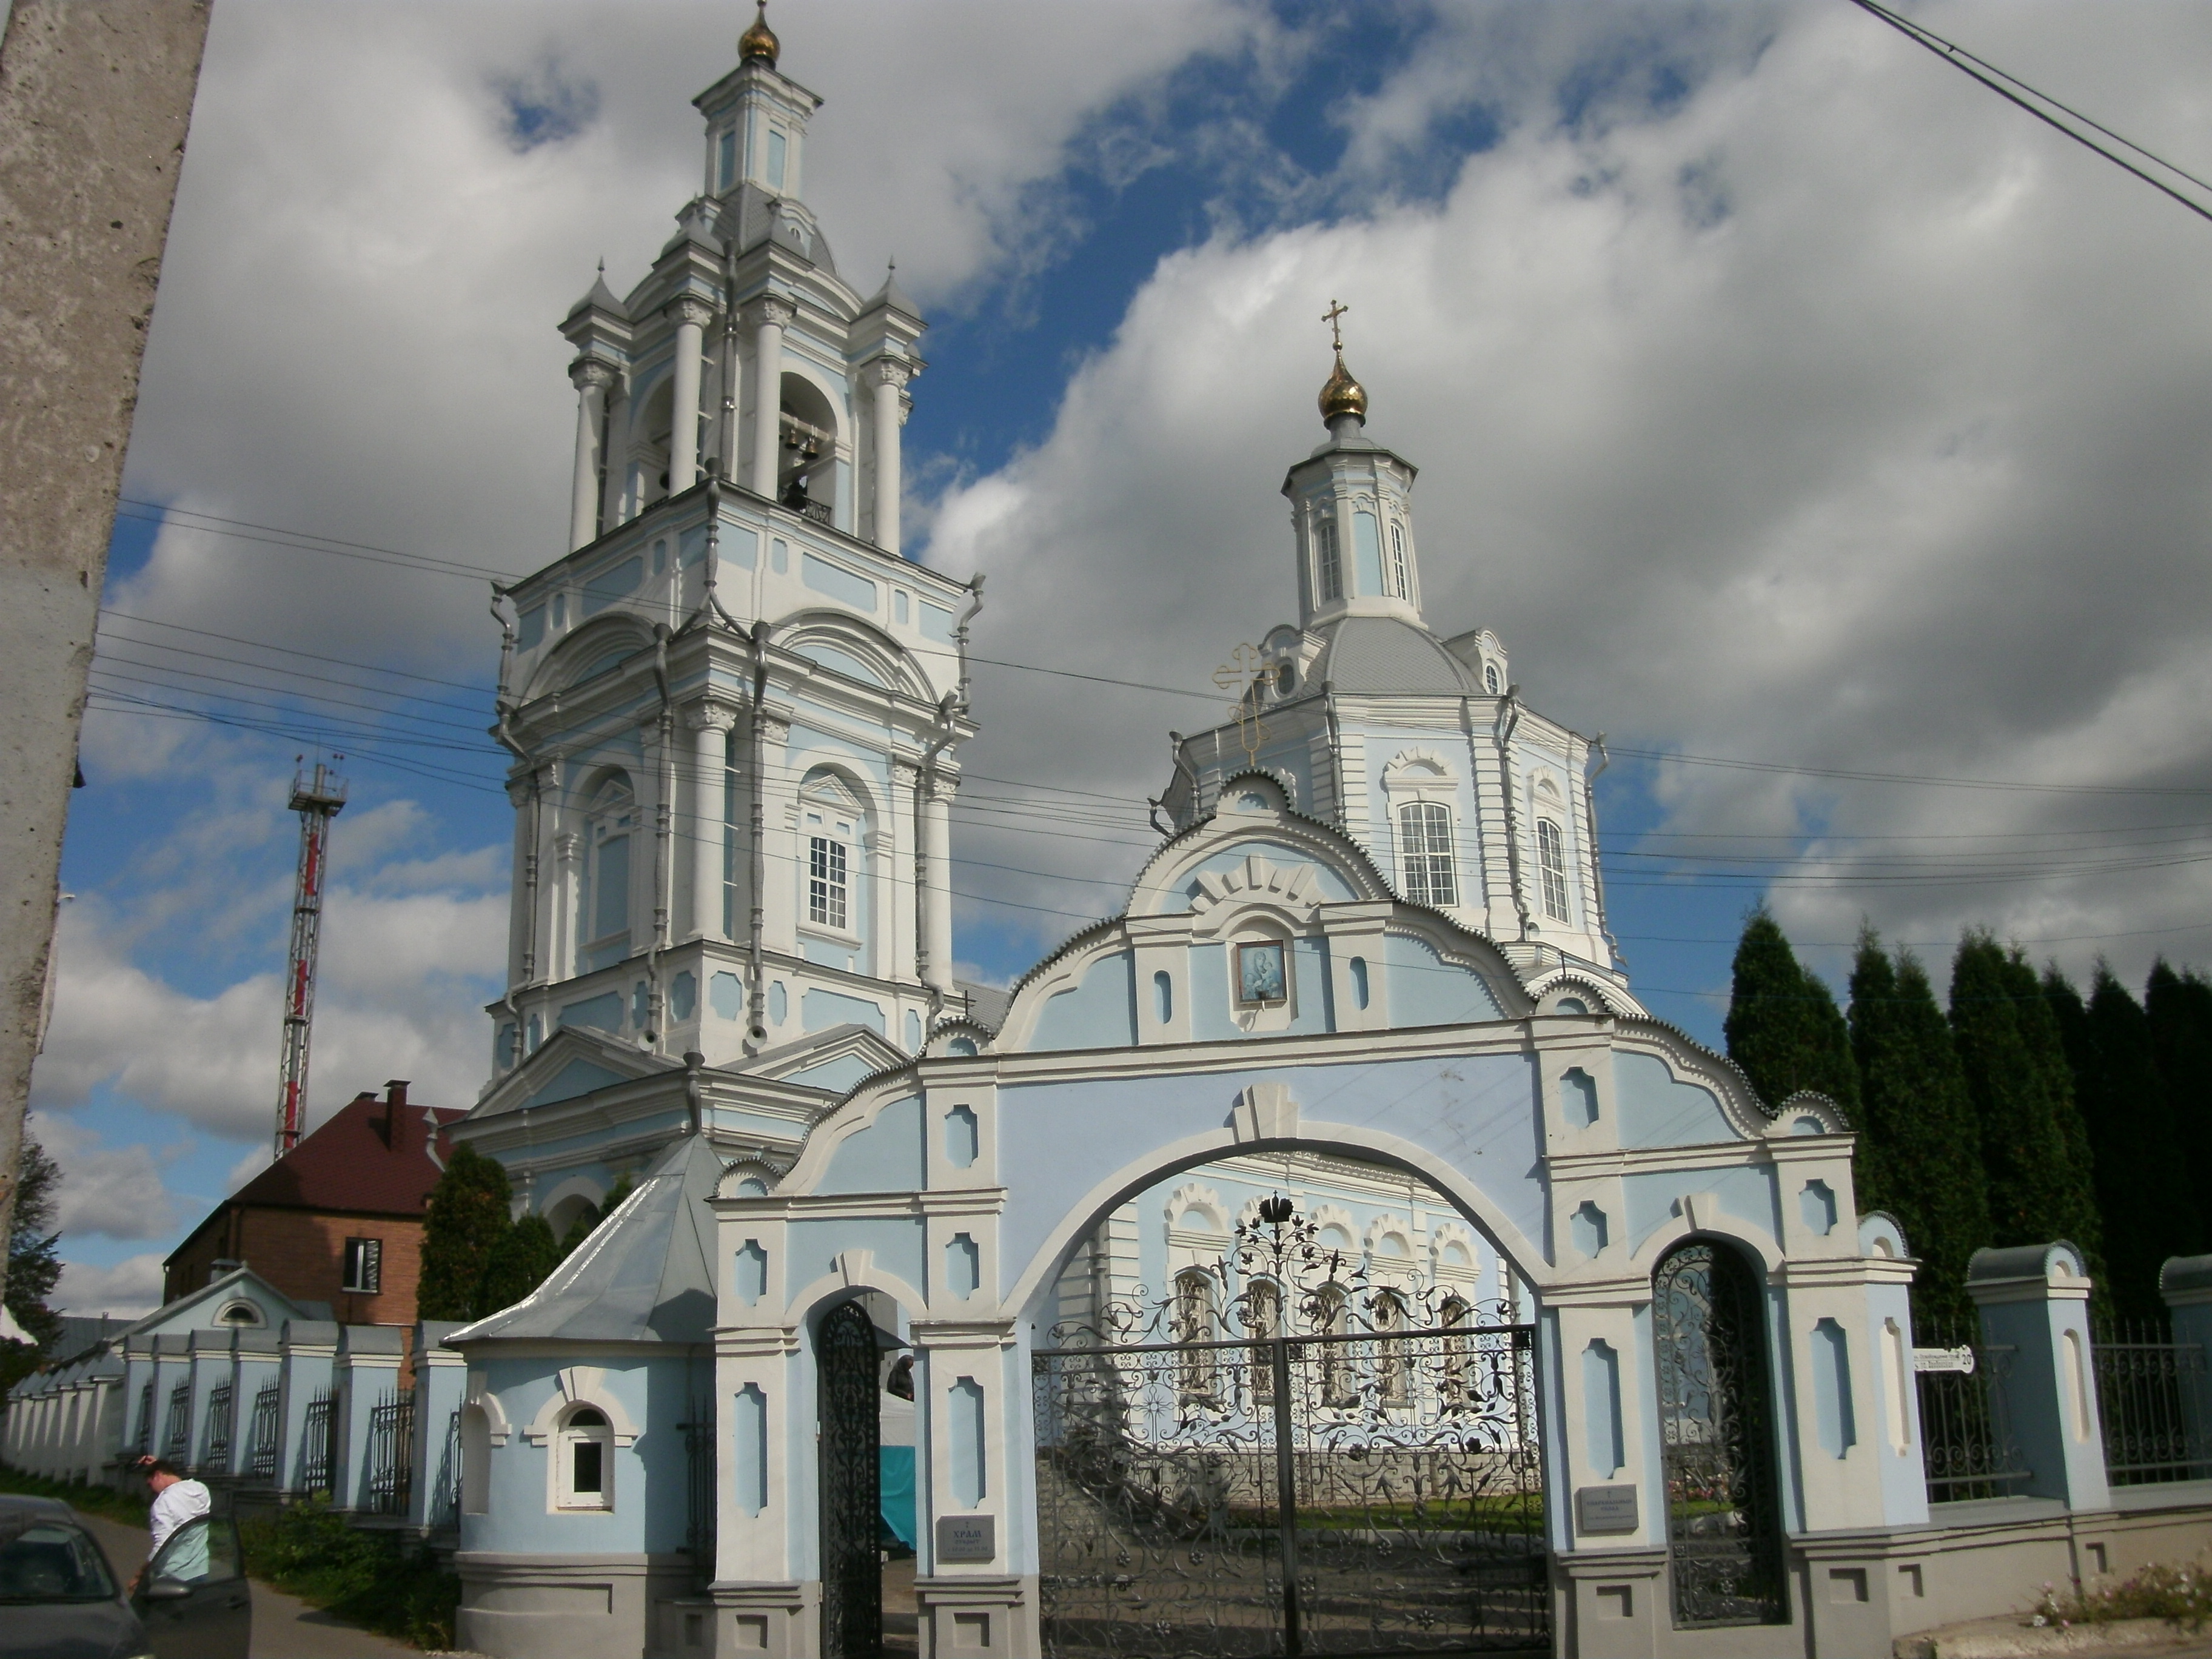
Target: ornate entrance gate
(1358,1473)
(846,1358)
(1716,1439)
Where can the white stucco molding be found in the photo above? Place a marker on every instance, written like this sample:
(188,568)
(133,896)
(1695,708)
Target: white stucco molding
(580,1385)
(1700,1214)
(1192,1196)
(480,1396)
(853,1271)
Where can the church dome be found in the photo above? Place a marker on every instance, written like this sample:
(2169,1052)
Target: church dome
(1342,395)
(759,41)
(1374,656)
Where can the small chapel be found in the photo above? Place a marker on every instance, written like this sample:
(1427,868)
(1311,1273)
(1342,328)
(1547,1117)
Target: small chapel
(1327,1252)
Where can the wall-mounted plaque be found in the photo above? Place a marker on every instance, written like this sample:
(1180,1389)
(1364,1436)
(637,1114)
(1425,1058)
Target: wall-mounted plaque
(1604,1509)
(966,1538)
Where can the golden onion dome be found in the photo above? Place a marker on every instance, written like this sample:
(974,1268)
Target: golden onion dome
(1342,395)
(759,41)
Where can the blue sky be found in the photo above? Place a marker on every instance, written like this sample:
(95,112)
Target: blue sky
(1780,396)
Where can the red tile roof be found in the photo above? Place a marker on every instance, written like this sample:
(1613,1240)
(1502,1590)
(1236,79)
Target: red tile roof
(374,1156)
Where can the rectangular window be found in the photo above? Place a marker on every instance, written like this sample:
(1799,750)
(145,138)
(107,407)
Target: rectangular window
(1424,855)
(364,1266)
(587,1481)
(1329,571)
(726,169)
(610,888)
(776,147)
(825,882)
(1551,855)
(1400,586)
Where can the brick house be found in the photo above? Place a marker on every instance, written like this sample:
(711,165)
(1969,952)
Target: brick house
(338,1220)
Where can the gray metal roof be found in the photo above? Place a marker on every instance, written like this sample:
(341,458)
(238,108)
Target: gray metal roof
(1367,654)
(642,1276)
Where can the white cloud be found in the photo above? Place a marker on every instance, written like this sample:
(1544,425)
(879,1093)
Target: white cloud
(115,1191)
(133,1286)
(1833,414)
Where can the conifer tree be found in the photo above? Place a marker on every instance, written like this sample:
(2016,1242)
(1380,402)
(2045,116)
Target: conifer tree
(2023,1148)
(1783,1025)
(468,1215)
(1918,1145)
(2149,1208)
(525,1253)
(34,1262)
(2179,1008)
(2078,1219)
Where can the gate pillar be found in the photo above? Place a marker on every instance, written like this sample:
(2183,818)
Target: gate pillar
(975,1583)
(766,1596)
(2035,1299)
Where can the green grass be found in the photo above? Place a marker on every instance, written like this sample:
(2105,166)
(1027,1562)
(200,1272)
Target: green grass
(377,1580)
(104,1501)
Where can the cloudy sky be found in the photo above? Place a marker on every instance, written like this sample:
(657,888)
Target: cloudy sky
(1780,396)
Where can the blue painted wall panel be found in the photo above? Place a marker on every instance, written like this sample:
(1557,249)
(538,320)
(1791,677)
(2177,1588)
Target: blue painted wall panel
(1656,1110)
(886,1157)
(1100,1012)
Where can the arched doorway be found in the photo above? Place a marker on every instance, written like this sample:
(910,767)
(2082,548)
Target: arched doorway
(849,1495)
(1717,1439)
(1317,1434)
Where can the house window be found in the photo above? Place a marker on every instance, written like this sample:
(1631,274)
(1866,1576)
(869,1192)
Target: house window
(825,882)
(726,158)
(1329,569)
(1194,1324)
(1259,974)
(1491,683)
(1425,852)
(1551,857)
(584,1466)
(364,1266)
(1398,585)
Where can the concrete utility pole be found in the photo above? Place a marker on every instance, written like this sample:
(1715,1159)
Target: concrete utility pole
(95,98)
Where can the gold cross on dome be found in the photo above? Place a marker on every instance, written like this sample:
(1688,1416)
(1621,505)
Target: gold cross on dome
(1336,309)
(1242,675)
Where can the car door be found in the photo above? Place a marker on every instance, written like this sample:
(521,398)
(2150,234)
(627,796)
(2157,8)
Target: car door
(194,1601)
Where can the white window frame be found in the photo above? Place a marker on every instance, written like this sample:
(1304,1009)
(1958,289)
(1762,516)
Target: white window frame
(1419,865)
(369,1254)
(570,1436)
(613,816)
(1401,578)
(1329,559)
(828,882)
(1552,862)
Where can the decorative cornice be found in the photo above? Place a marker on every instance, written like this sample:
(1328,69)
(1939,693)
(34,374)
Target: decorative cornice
(690,309)
(770,310)
(588,373)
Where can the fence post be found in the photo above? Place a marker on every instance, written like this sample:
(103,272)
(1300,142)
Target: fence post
(172,1364)
(308,1349)
(441,1376)
(215,1367)
(137,1432)
(2034,1300)
(2185,1282)
(367,1370)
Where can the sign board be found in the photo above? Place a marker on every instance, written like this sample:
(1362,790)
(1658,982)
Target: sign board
(966,1538)
(1604,1509)
(1944,1359)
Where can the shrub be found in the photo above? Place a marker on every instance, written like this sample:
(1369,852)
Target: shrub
(374,1579)
(2180,1594)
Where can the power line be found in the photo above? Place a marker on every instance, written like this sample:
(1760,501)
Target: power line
(2002,83)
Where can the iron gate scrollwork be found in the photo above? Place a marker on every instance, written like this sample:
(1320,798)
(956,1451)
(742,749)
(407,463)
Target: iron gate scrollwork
(1355,1471)
(1717,1440)
(845,1360)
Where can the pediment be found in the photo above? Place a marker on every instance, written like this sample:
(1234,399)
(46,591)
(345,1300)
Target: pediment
(575,1061)
(836,1062)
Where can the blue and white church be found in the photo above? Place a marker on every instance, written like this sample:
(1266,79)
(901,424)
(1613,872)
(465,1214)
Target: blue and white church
(1326,1253)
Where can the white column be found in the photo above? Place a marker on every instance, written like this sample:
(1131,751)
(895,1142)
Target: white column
(769,315)
(593,377)
(692,315)
(710,723)
(890,378)
(936,900)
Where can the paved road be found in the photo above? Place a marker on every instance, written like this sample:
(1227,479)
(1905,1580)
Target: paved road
(284,1627)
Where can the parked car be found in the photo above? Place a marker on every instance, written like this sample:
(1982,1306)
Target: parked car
(59,1598)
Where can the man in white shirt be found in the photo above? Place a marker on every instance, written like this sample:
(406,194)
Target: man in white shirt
(176,1500)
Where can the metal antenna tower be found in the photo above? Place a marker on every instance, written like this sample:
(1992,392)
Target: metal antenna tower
(317,801)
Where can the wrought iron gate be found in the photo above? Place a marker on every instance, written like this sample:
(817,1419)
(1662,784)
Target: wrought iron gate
(1717,1440)
(1359,1474)
(846,1358)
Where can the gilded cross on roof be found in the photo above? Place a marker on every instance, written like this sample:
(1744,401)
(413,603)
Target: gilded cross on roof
(1336,309)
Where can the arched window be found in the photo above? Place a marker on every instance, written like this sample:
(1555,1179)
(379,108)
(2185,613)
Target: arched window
(583,1469)
(1717,1432)
(1399,587)
(475,1460)
(1263,1319)
(1491,681)
(1328,568)
(1424,855)
(1552,859)
(1388,1312)
(611,820)
(1331,1312)
(1458,1379)
(832,828)
(1194,1323)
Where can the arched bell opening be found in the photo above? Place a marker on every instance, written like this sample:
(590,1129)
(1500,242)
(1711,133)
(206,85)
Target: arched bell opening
(1266,1387)
(1717,1439)
(806,477)
(649,455)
